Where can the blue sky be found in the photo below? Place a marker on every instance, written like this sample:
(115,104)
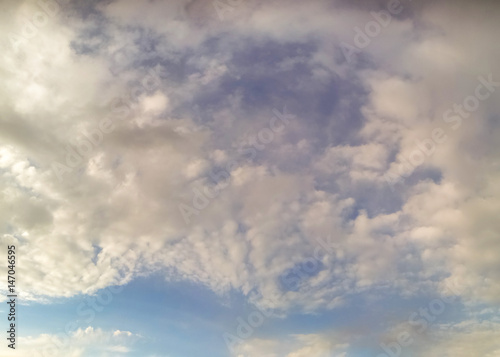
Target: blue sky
(251,178)
(170,317)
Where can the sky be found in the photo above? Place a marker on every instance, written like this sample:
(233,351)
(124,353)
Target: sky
(249,178)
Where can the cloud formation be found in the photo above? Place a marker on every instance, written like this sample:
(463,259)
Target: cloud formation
(111,122)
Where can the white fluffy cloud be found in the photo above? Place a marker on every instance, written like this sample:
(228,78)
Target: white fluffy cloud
(313,345)
(82,342)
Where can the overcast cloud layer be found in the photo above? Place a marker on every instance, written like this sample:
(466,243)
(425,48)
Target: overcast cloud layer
(270,150)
